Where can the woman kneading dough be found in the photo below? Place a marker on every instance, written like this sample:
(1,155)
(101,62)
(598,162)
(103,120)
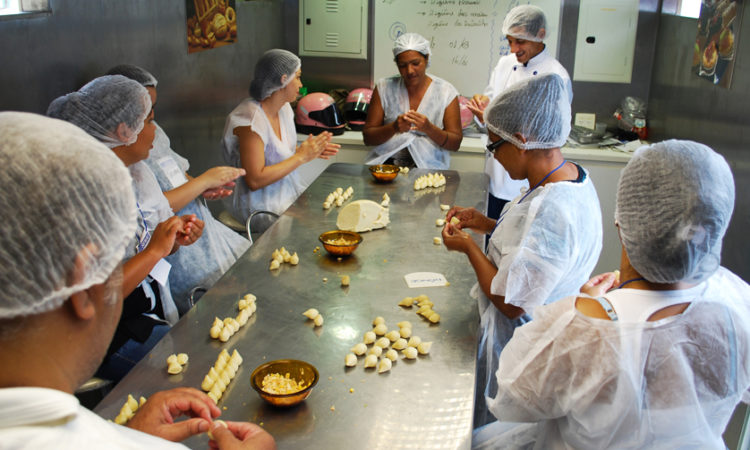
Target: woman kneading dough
(260,137)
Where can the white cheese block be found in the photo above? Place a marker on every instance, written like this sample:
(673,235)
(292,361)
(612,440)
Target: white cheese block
(362,215)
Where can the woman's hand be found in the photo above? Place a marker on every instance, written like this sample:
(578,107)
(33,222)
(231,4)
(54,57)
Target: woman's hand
(219,192)
(469,218)
(219,176)
(417,121)
(315,146)
(157,416)
(240,436)
(192,229)
(456,240)
(599,285)
(401,125)
(477,105)
(163,237)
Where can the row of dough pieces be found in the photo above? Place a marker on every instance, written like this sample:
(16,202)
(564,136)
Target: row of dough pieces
(224,329)
(395,339)
(338,197)
(221,374)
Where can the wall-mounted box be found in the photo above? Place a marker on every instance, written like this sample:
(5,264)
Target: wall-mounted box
(333,28)
(606,40)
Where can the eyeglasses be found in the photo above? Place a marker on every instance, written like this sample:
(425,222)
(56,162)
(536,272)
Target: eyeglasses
(492,146)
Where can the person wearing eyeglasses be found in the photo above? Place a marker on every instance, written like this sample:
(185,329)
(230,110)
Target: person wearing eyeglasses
(656,359)
(525,28)
(547,240)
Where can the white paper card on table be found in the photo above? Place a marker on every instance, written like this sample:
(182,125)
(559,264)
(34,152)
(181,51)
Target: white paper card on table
(586,120)
(160,272)
(425,279)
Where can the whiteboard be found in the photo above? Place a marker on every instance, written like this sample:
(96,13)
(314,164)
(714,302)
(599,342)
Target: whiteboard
(465,36)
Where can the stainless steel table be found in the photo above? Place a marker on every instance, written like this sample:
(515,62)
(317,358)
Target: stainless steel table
(423,403)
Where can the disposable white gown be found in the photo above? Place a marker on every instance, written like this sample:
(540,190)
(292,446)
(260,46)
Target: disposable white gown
(395,101)
(592,383)
(153,209)
(276,197)
(206,260)
(34,418)
(544,249)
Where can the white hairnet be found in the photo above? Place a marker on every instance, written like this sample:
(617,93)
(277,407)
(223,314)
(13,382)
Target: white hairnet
(269,69)
(674,202)
(538,108)
(66,196)
(136,73)
(411,41)
(525,22)
(102,105)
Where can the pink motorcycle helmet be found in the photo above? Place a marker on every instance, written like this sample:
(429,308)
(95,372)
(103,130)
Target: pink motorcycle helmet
(317,112)
(355,108)
(467,117)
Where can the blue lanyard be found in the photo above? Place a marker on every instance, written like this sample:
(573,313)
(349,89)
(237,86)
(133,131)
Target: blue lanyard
(146,236)
(502,216)
(630,281)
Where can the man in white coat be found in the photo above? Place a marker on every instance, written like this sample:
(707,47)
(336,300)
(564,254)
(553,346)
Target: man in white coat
(525,27)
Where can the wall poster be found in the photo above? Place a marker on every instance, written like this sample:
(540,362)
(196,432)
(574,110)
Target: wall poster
(718,34)
(210,24)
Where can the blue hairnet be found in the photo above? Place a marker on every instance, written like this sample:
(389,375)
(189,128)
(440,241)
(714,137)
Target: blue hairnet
(102,105)
(525,22)
(538,108)
(269,69)
(674,203)
(70,212)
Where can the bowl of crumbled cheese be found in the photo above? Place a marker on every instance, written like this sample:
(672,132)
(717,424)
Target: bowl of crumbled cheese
(284,382)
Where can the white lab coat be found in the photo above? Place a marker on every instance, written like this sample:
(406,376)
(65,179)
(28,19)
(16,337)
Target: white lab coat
(35,418)
(507,72)
(276,197)
(544,249)
(206,260)
(395,101)
(581,382)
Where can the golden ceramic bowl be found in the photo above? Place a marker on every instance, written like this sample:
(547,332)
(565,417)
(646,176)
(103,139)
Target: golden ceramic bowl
(300,371)
(384,172)
(339,242)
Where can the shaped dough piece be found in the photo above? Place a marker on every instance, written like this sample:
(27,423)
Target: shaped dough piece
(311,313)
(380,329)
(383,342)
(400,344)
(172,359)
(424,347)
(359,349)
(410,353)
(378,320)
(207,383)
(369,337)
(404,324)
(393,335)
(391,354)
(362,215)
(274,265)
(414,341)
(215,332)
(434,318)
(318,320)
(406,302)
(132,403)
(174,369)
(439,222)
(371,361)
(375,350)
(294,260)
(350,360)
(405,332)
(384,365)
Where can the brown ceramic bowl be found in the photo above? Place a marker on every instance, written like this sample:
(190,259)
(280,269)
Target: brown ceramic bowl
(339,242)
(298,370)
(384,173)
